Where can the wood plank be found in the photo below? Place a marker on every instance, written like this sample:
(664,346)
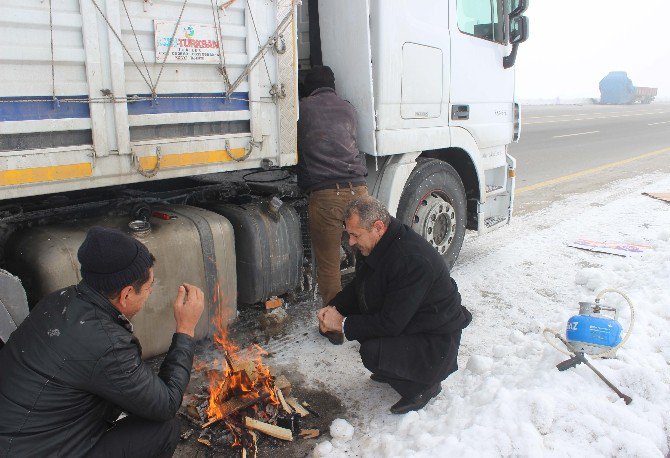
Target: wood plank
(293,402)
(266,428)
(287,408)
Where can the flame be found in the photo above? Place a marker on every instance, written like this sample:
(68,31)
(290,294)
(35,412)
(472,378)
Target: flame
(248,378)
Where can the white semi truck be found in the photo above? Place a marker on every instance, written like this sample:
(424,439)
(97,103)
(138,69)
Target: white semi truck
(175,120)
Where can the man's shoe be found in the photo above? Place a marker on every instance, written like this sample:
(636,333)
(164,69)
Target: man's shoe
(416,402)
(336,338)
(378,378)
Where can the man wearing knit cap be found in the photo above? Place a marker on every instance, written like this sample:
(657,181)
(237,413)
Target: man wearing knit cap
(331,170)
(74,365)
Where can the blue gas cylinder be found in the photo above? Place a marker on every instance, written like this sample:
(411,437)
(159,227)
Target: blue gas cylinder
(593,334)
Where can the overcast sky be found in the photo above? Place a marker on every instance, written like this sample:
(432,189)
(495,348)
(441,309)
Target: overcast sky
(573,44)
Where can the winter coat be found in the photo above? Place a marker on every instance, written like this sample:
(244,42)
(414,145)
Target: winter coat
(71,367)
(403,288)
(327,148)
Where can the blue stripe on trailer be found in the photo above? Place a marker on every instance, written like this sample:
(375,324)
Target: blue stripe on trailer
(36,108)
(44,107)
(188,103)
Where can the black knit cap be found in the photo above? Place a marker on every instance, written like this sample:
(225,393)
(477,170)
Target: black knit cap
(111,260)
(318,77)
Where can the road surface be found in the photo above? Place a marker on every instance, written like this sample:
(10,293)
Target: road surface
(567,149)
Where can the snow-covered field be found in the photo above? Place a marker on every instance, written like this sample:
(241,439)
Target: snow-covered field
(508,399)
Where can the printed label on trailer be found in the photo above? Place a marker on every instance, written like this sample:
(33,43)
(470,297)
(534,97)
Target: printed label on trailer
(193,43)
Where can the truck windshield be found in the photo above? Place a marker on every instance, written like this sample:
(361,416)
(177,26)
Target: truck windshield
(481,18)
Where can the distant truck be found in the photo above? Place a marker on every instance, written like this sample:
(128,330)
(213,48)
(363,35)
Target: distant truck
(617,89)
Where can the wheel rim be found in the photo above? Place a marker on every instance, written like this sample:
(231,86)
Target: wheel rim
(435,220)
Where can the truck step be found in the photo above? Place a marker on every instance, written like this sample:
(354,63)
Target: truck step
(492,221)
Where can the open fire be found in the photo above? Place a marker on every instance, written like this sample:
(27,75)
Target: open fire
(241,397)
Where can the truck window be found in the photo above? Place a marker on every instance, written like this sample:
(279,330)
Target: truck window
(481,18)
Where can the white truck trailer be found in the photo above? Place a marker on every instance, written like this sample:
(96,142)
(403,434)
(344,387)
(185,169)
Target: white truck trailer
(175,120)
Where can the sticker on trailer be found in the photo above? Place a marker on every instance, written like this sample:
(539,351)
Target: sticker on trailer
(193,43)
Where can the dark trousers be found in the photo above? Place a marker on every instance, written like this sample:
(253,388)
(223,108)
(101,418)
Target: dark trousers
(326,223)
(137,437)
(408,374)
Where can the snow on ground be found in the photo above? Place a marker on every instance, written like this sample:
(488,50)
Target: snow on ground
(508,399)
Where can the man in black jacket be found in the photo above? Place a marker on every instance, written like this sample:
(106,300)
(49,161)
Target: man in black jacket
(402,306)
(74,364)
(330,169)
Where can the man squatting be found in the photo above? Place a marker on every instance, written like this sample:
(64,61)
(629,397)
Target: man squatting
(74,364)
(402,306)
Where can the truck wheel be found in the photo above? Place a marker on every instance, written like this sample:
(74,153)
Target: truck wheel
(433,205)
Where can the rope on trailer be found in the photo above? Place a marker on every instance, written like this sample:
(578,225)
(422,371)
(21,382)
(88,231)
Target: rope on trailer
(275,41)
(144,172)
(122,45)
(146,67)
(222,56)
(53,63)
(176,26)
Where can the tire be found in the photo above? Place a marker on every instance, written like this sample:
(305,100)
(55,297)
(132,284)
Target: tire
(433,205)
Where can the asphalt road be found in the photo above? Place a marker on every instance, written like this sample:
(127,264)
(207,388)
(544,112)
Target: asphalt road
(566,149)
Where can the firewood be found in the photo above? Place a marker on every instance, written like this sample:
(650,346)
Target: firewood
(300,410)
(283,384)
(270,430)
(233,405)
(287,408)
(254,444)
(204,441)
(247,366)
(309,433)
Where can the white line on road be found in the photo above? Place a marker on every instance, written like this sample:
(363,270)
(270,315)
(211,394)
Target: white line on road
(572,135)
(588,119)
(592,114)
(654,123)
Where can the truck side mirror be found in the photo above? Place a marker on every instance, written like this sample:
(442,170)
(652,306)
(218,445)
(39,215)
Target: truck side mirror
(517,7)
(518,29)
(518,33)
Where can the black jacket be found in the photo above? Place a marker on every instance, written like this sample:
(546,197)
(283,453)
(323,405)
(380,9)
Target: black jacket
(404,288)
(69,369)
(328,152)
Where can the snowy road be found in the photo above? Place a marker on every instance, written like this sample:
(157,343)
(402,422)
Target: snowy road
(508,399)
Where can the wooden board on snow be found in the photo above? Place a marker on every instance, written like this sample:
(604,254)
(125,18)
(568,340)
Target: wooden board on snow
(664,196)
(615,248)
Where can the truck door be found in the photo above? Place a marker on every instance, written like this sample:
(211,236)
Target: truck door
(482,90)
(345,45)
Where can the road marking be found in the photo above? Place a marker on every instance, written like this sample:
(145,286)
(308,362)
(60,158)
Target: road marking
(586,172)
(654,123)
(572,135)
(588,119)
(591,114)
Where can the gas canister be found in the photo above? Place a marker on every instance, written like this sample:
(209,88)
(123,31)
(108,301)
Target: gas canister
(591,332)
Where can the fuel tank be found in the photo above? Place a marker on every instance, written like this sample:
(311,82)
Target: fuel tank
(269,249)
(192,245)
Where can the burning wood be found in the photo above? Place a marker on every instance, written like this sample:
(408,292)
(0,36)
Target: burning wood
(242,396)
(233,405)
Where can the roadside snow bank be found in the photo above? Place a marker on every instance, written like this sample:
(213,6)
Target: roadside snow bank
(508,399)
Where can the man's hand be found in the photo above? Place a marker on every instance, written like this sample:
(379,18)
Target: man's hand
(188,307)
(330,320)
